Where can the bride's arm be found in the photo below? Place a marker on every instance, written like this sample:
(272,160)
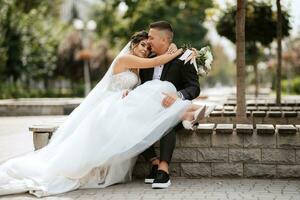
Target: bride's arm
(131,61)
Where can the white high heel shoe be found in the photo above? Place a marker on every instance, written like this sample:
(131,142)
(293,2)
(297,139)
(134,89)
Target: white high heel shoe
(199,114)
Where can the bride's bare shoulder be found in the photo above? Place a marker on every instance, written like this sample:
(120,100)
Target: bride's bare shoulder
(121,62)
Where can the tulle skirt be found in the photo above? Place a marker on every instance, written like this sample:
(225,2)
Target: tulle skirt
(98,150)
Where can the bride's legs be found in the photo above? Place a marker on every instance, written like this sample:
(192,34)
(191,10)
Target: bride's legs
(193,115)
(193,107)
(190,112)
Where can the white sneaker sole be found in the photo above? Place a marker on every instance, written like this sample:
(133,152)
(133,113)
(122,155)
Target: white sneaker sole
(149,181)
(161,185)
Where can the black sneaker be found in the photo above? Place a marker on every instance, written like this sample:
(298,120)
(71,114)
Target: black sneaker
(150,178)
(162,180)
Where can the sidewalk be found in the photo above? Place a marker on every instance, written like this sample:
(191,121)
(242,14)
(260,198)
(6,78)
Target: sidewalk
(15,139)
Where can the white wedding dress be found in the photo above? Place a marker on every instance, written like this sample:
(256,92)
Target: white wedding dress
(98,144)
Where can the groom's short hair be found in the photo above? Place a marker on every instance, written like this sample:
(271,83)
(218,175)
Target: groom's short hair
(164,26)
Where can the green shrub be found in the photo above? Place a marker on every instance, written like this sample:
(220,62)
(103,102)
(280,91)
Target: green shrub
(294,87)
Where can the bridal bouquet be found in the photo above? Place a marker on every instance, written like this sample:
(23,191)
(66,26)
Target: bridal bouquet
(201,59)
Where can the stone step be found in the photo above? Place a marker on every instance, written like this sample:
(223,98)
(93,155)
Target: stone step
(286,129)
(265,129)
(224,128)
(256,113)
(244,128)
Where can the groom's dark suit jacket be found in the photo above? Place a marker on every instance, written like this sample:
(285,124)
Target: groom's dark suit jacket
(183,76)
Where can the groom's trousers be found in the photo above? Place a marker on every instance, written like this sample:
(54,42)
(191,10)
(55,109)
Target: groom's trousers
(167,145)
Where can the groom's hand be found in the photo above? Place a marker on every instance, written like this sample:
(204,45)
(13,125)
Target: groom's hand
(169,99)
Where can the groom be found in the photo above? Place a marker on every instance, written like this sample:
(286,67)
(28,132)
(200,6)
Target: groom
(185,79)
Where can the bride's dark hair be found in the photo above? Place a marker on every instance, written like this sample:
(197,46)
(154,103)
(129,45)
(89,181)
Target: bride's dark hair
(137,37)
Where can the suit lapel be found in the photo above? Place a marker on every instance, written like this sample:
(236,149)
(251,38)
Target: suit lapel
(150,73)
(165,70)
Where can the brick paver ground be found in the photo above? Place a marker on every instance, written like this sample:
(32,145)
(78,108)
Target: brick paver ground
(16,140)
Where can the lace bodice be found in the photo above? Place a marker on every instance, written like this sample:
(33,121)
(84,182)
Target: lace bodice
(124,80)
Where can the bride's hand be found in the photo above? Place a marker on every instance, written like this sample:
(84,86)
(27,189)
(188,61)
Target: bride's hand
(172,48)
(192,56)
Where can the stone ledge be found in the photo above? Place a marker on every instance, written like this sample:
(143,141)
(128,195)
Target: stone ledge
(286,129)
(204,153)
(224,128)
(244,128)
(265,129)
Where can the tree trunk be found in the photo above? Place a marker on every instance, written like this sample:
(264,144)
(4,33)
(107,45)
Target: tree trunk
(256,78)
(279,54)
(240,62)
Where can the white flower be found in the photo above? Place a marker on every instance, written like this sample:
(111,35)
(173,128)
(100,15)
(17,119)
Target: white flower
(201,61)
(201,71)
(208,64)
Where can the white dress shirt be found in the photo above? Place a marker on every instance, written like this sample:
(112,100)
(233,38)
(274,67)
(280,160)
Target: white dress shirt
(157,75)
(157,72)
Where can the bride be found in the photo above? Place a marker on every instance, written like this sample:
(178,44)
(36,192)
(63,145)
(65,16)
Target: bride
(98,144)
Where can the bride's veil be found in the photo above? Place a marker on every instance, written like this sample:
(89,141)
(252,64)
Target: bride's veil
(98,93)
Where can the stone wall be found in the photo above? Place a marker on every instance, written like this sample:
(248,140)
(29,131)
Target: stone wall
(227,150)
(38,106)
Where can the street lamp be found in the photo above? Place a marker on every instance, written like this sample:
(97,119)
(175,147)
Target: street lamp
(83,27)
